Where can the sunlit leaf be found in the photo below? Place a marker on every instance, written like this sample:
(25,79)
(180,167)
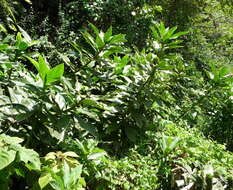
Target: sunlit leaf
(6,157)
(55,74)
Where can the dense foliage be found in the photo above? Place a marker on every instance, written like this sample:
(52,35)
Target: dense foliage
(104,95)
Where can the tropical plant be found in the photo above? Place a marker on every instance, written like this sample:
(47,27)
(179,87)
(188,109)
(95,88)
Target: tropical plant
(87,108)
(16,160)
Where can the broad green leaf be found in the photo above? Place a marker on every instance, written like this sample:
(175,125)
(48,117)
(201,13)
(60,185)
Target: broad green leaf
(122,63)
(88,113)
(155,33)
(3,46)
(168,143)
(81,146)
(59,134)
(110,51)
(6,157)
(10,140)
(94,29)
(176,35)
(87,126)
(27,38)
(96,155)
(44,180)
(92,103)
(50,156)
(55,74)
(30,158)
(60,100)
(108,34)
(14,96)
(120,38)
(223,71)
(100,40)
(57,184)
(173,143)
(43,67)
(66,174)
(162,30)
(67,61)
(169,33)
(35,63)
(99,36)
(163,143)
(18,37)
(3,29)
(90,40)
(20,172)
(22,45)
(75,175)
(71,154)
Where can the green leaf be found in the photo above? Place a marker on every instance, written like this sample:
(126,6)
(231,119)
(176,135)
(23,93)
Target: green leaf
(34,62)
(90,40)
(163,143)
(96,155)
(75,175)
(87,126)
(122,63)
(10,140)
(3,29)
(60,100)
(110,51)
(176,35)
(210,75)
(173,143)
(6,157)
(94,29)
(71,154)
(161,29)
(155,33)
(43,67)
(99,37)
(55,74)
(224,70)
(44,180)
(22,45)
(93,103)
(108,35)
(120,38)
(168,143)
(18,37)
(30,158)
(67,61)
(57,182)
(27,38)
(3,46)
(100,40)
(169,33)
(66,174)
